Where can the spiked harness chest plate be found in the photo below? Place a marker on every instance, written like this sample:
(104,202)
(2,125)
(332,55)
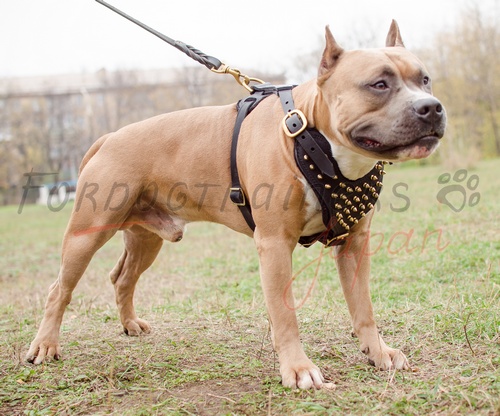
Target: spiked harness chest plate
(344,202)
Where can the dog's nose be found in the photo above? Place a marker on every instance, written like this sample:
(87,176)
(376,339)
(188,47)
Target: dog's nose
(428,109)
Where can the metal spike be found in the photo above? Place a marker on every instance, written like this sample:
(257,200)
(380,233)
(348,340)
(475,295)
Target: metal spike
(366,185)
(375,195)
(306,157)
(342,184)
(311,167)
(383,172)
(355,221)
(362,213)
(358,189)
(356,199)
(320,177)
(370,206)
(335,196)
(365,197)
(328,186)
(362,206)
(354,209)
(338,206)
(346,210)
(349,189)
(343,197)
(348,203)
(335,177)
(373,177)
(380,184)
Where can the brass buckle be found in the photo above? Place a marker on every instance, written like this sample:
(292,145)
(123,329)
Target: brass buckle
(242,195)
(302,118)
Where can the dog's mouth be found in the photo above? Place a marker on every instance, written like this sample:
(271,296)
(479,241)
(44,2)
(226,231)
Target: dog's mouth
(417,149)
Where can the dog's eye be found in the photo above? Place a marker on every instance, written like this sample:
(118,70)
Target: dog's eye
(426,80)
(380,85)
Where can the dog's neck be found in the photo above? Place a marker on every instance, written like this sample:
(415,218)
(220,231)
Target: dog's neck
(352,165)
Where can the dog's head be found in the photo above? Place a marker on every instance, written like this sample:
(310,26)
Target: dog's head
(379,102)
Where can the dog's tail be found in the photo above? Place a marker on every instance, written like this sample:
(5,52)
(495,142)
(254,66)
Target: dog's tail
(92,151)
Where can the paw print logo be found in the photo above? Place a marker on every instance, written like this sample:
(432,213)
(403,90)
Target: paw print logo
(454,195)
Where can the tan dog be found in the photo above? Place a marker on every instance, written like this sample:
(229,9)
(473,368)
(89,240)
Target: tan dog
(152,177)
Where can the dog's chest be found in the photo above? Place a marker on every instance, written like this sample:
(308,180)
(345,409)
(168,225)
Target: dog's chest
(313,212)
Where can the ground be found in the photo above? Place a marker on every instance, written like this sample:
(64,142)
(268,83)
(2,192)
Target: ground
(435,288)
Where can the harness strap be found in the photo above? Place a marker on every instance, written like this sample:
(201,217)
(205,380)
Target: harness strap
(296,124)
(245,106)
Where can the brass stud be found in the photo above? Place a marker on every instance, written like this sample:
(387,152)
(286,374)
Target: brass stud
(370,206)
(311,167)
(306,157)
(347,227)
(346,210)
(375,195)
(339,215)
(362,213)
(373,177)
(356,199)
(335,196)
(320,177)
(348,203)
(328,186)
(380,184)
(385,162)
(350,218)
(362,206)
(379,166)
(354,209)
(335,177)
(365,198)
(349,189)
(342,185)
(373,189)
(358,189)
(343,197)
(365,185)
(383,172)
(355,221)
(338,206)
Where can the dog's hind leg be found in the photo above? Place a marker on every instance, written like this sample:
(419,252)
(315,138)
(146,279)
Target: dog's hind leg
(141,249)
(78,249)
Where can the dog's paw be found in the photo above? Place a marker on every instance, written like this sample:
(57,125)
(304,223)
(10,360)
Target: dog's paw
(41,351)
(387,358)
(302,375)
(136,327)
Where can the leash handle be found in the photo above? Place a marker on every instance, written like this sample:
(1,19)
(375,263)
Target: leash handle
(209,61)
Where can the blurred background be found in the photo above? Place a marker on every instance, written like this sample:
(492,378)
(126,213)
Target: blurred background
(72,71)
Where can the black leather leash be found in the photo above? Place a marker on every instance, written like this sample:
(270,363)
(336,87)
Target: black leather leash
(210,62)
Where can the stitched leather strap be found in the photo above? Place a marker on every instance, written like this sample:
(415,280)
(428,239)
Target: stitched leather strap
(245,106)
(305,139)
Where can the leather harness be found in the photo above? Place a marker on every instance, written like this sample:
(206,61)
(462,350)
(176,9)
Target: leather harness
(344,202)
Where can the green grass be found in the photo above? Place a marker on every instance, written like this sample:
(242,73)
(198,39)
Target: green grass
(210,352)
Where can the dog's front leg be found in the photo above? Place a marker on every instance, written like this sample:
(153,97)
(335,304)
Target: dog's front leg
(275,255)
(353,262)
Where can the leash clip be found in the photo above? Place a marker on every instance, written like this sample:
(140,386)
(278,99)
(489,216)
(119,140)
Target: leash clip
(293,120)
(242,79)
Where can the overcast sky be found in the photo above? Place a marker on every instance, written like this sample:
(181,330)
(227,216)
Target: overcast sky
(61,36)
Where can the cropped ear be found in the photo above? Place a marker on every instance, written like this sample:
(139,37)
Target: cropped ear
(394,36)
(331,53)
